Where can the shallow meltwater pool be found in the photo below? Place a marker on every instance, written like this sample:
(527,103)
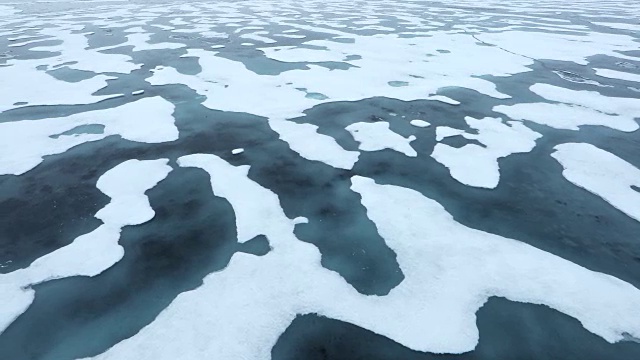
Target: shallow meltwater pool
(302,180)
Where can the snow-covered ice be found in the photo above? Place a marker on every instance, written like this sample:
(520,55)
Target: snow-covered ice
(601,173)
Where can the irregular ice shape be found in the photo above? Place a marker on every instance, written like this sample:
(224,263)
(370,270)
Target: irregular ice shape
(21,82)
(622,75)
(478,166)
(92,253)
(23,144)
(76,53)
(564,47)
(443,132)
(579,108)
(140,42)
(377,136)
(311,145)
(627,107)
(432,310)
(262,295)
(602,174)
(257,36)
(450,270)
(564,116)
(228,85)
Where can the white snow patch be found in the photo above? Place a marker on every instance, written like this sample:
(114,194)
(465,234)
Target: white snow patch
(563,116)
(23,144)
(478,166)
(21,82)
(564,47)
(92,253)
(620,26)
(75,51)
(444,99)
(311,145)
(613,74)
(432,310)
(25,43)
(602,174)
(580,107)
(300,220)
(378,136)
(237,151)
(257,36)
(419,123)
(443,132)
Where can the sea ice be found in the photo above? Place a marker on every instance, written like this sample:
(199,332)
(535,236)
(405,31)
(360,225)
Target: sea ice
(24,144)
(476,165)
(602,174)
(377,136)
(94,252)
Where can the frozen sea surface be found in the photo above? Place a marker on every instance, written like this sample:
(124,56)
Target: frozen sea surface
(319,180)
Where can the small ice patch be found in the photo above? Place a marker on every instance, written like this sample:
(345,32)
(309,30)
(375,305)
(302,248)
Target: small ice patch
(602,174)
(378,136)
(419,123)
(237,151)
(300,220)
(443,132)
(620,75)
(579,108)
(478,166)
(306,141)
(137,92)
(444,99)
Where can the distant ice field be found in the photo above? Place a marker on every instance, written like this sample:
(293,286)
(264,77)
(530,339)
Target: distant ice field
(319,179)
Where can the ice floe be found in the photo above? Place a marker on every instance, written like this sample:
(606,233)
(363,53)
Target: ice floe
(94,252)
(566,47)
(419,123)
(377,136)
(576,108)
(75,52)
(24,144)
(306,141)
(450,269)
(476,165)
(21,82)
(601,173)
(620,75)
(432,310)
